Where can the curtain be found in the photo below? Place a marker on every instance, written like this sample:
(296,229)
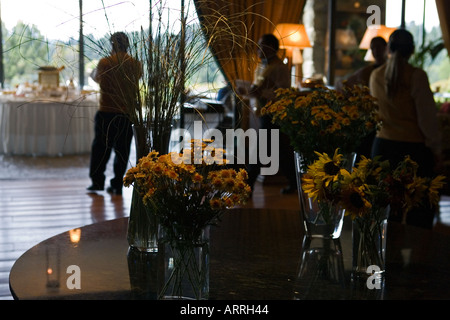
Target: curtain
(234,27)
(443,9)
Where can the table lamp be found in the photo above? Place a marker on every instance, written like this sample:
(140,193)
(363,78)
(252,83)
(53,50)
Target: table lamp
(372,32)
(293,38)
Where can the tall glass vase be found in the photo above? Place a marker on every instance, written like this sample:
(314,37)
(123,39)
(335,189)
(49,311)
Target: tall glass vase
(143,225)
(321,272)
(369,242)
(186,267)
(143,273)
(320,219)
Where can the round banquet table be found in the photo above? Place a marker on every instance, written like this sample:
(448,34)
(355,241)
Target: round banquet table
(255,254)
(48,127)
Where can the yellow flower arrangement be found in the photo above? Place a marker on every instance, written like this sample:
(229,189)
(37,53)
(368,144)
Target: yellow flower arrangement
(187,194)
(371,185)
(323,119)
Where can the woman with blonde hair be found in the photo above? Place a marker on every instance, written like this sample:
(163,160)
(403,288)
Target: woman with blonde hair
(408,113)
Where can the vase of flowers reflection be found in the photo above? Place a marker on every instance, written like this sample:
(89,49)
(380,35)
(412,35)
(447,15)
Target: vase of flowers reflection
(321,121)
(369,193)
(188,192)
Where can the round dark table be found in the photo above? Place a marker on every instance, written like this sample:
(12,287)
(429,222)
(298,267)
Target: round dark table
(256,254)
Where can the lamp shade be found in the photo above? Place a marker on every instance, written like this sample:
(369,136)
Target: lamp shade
(375,31)
(292,35)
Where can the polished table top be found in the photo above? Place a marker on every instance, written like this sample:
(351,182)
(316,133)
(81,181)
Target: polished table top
(255,255)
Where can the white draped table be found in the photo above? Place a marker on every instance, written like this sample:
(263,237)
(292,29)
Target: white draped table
(46,127)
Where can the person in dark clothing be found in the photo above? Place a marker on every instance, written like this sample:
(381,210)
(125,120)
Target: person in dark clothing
(272,74)
(361,77)
(117,75)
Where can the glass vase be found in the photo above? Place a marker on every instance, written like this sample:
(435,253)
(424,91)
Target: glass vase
(321,272)
(143,225)
(143,273)
(186,268)
(320,219)
(369,242)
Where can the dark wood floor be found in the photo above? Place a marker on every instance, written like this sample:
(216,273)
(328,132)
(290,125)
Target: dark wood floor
(34,209)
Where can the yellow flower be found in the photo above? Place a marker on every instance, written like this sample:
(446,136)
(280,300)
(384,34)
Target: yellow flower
(316,110)
(370,186)
(215,204)
(188,194)
(240,185)
(197,177)
(433,189)
(217,182)
(309,187)
(158,168)
(323,119)
(354,201)
(335,126)
(171,174)
(225,174)
(415,192)
(229,182)
(228,202)
(325,168)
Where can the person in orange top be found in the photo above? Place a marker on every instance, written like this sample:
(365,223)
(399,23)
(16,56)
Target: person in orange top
(118,77)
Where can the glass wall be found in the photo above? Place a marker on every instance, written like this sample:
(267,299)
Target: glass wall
(39,33)
(422,20)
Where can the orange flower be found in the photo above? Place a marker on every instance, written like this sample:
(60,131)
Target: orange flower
(197,177)
(200,190)
(215,204)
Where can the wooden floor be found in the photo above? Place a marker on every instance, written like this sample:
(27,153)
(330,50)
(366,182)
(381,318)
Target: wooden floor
(36,206)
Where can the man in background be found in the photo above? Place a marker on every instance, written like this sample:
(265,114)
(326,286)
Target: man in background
(361,77)
(117,75)
(271,74)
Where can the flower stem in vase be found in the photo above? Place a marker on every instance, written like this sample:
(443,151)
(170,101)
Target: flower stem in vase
(143,226)
(186,270)
(369,243)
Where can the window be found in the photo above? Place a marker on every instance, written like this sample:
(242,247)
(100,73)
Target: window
(422,20)
(40,33)
(36,34)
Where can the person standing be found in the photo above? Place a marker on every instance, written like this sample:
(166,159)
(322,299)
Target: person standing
(361,77)
(408,114)
(271,74)
(118,78)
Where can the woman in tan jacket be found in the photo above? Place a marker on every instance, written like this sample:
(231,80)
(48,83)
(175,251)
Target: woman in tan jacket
(408,113)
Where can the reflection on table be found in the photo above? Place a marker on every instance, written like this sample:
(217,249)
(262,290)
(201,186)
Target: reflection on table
(46,126)
(255,254)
